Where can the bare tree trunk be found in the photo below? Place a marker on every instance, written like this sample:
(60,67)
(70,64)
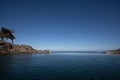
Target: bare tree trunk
(12,41)
(2,38)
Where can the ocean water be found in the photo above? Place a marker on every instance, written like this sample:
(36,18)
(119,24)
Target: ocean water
(60,66)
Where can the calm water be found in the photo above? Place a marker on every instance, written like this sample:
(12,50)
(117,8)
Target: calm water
(60,66)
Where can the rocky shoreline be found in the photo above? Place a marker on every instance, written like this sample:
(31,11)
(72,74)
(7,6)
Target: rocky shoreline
(9,48)
(117,51)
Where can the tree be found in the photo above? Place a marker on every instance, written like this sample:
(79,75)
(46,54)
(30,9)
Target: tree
(7,33)
(1,35)
(11,37)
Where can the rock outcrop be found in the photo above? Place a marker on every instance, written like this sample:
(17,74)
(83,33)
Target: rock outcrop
(6,47)
(117,51)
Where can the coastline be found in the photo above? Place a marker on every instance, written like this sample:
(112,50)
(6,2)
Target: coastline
(117,51)
(9,48)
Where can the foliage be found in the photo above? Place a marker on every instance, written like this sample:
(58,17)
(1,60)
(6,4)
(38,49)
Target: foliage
(6,33)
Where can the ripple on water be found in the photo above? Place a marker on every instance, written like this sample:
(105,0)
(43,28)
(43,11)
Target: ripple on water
(60,66)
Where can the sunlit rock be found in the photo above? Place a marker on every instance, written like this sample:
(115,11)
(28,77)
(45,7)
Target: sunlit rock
(6,47)
(117,51)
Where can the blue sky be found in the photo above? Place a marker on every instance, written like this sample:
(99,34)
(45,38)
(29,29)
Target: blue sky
(63,24)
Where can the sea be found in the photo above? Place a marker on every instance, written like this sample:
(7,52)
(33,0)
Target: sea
(60,66)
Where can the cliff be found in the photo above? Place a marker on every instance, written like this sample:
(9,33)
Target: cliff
(6,47)
(117,51)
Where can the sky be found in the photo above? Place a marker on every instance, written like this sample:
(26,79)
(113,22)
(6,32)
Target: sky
(63,24)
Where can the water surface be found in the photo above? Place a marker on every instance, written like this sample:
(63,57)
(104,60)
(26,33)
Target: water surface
(60,66)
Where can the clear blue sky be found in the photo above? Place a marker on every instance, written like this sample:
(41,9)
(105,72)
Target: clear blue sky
(63,24)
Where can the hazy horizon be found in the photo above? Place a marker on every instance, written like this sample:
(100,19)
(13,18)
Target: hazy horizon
(77,25)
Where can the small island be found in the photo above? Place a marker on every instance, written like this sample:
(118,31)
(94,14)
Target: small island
(10,48)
